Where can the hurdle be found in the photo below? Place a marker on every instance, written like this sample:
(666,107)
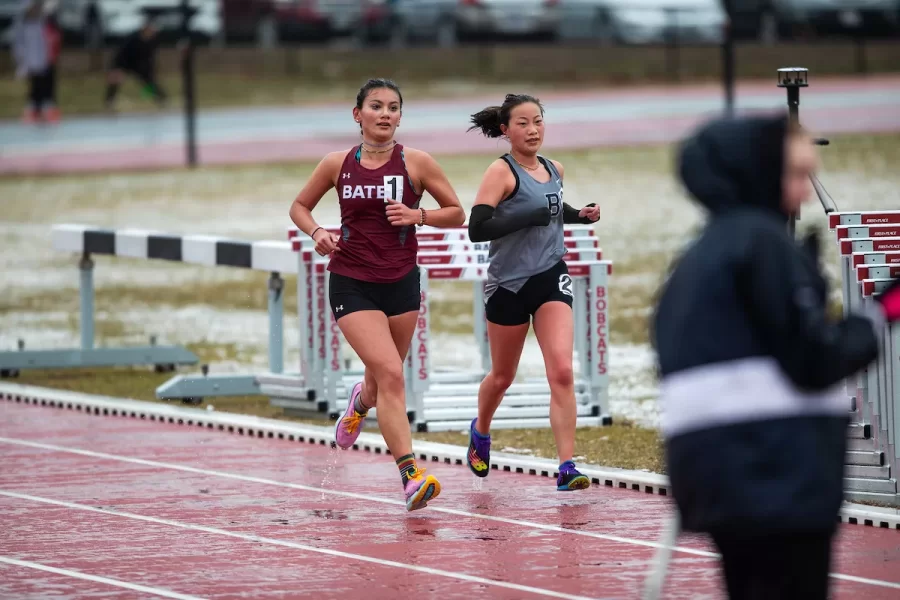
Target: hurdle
(447,399)
(450,405)
(869,245)
(269,256)
(324,385)
(431,241)
(87,242)
(447,407)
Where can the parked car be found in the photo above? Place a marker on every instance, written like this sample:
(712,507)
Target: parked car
(790,18)
(250,20)
(95,21)
(423,21)
(319,20)
(507,18)
(8,11)
(644,21)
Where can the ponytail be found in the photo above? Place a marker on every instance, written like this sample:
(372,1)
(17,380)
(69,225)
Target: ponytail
(488,121)
(491,118)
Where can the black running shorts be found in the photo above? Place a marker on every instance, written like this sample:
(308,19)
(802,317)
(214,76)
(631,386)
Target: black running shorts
(507,308)
(348,295)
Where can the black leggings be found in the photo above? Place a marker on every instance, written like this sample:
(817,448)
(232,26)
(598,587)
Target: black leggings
(42,89)
(145,76)
(779,567)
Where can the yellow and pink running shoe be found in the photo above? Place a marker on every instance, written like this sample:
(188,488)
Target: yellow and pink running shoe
(348,426)
(420,489)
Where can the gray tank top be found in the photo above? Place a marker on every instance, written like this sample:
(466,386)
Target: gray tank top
(517,256)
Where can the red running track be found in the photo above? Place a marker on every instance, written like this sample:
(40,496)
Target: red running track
(145,509)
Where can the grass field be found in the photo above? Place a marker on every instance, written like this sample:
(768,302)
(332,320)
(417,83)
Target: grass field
(83,93)
(645,219)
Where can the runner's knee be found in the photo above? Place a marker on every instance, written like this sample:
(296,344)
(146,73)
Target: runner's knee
(502,379)
(560,374)
(389,379)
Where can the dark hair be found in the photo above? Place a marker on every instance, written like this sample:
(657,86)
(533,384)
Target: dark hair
(491,118)
(376,84)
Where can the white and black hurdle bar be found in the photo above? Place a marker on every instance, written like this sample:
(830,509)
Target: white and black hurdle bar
(869,243)
(270,256)
(211,251)
(87,242)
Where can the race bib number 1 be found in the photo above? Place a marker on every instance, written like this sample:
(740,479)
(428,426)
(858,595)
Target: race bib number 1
(393,188)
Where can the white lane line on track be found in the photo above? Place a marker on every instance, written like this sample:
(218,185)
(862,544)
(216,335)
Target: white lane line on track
(343,494)
(284,543)
(97,579)
(367,498)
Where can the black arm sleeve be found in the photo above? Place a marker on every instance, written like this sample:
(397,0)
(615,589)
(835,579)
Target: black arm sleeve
(785,296)
(570,215)
(484,226)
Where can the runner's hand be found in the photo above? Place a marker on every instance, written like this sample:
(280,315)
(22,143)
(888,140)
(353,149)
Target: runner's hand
(592,213)
(398,214)
(326,242)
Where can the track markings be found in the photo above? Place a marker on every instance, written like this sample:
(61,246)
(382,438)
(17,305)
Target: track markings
(284,543)
(369,498)
(343,494)
(97,579)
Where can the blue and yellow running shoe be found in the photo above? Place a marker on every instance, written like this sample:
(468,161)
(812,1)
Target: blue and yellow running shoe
(479,455)
(570,479)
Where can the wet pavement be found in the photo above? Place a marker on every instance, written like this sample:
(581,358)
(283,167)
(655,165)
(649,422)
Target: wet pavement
(194,513)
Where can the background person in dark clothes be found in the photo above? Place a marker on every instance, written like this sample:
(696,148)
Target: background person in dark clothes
(137,56)
(32,50)
(754,416)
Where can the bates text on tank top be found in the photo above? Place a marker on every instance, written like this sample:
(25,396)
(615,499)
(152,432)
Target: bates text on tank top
(371,249)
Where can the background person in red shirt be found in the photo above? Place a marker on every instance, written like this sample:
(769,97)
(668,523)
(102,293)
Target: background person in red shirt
(53,35)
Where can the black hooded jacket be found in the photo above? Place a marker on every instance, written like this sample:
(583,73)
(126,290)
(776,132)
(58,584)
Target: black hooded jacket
(753,413)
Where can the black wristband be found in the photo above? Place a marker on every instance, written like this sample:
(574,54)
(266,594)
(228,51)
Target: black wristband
(570,215)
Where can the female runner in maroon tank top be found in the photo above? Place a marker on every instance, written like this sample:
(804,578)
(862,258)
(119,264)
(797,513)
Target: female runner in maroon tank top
(374,281)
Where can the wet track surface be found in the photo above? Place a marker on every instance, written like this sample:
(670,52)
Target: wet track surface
(212,515)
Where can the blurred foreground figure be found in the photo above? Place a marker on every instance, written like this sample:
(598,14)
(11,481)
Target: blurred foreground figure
(754,415)
(137,56)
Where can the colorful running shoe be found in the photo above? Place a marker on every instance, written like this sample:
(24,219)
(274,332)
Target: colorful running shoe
(570,479)
(479,454)
(347,428)
(420,489)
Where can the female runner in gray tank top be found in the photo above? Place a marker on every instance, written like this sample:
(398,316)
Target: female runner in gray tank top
(520,208)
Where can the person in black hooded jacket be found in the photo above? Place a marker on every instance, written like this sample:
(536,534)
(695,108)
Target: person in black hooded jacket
(753,415)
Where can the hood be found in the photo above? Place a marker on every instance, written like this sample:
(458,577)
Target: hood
(733,163)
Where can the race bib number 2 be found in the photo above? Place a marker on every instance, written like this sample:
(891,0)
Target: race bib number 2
(565,285)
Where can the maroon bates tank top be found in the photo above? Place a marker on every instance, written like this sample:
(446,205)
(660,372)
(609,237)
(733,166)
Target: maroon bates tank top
(371,249)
